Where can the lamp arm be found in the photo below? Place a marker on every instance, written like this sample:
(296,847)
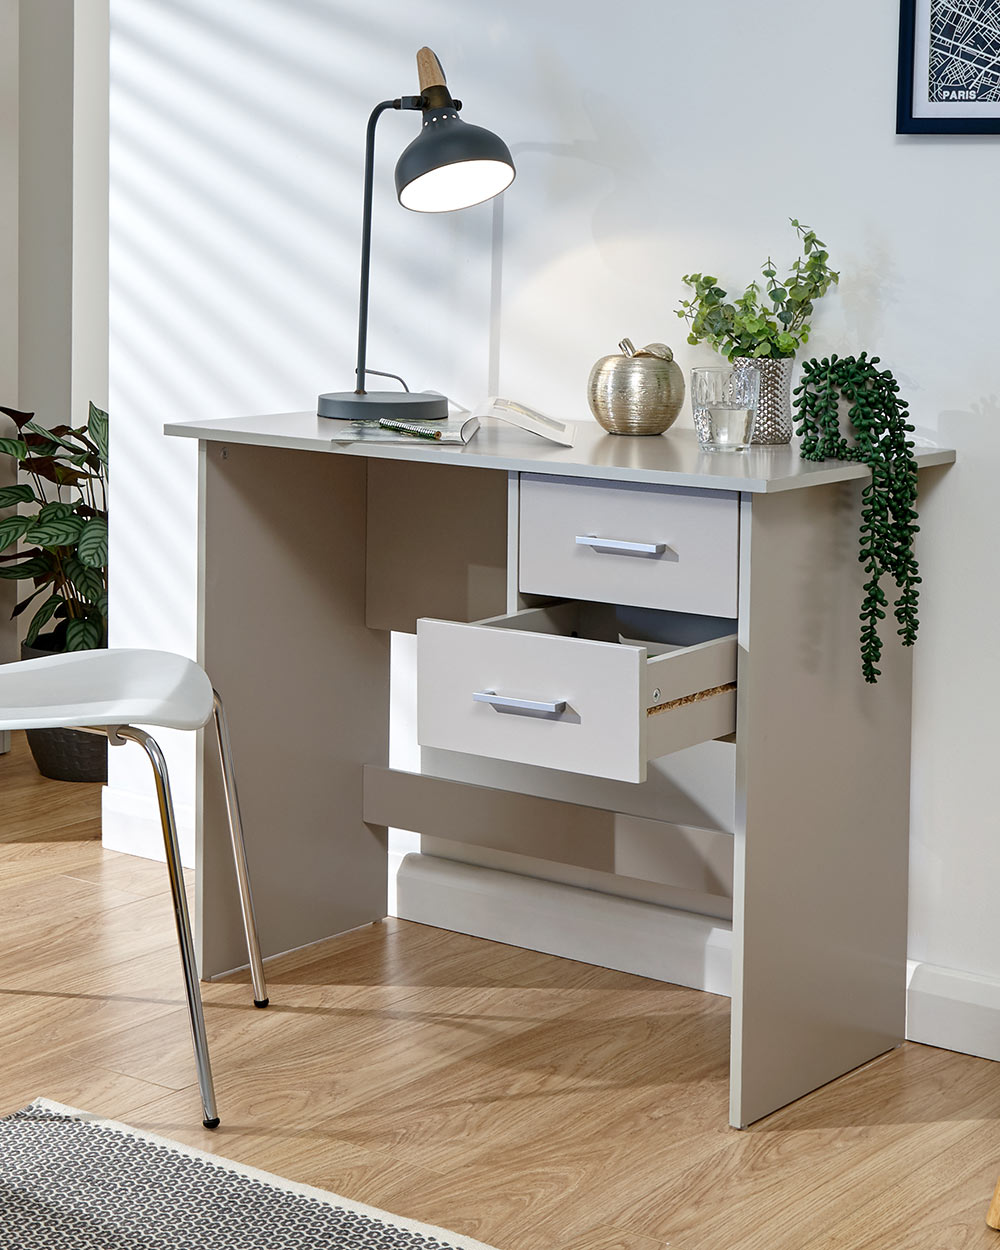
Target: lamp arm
(438,95)
(366,239)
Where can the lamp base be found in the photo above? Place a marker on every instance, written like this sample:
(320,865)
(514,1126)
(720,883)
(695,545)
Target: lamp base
(374,405)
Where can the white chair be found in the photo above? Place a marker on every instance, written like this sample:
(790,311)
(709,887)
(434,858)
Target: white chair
(111,692)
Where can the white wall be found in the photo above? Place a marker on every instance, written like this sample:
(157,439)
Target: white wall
(8,199)
(53,216)
(46,209)
(667,138)
(62,265)
(8,280)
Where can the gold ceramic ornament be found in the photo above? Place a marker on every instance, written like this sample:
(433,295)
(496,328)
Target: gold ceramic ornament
(638,392)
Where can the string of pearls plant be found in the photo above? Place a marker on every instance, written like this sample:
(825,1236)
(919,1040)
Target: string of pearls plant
(878,418)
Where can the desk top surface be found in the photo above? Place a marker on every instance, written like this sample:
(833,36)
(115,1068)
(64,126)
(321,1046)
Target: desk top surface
(670,459)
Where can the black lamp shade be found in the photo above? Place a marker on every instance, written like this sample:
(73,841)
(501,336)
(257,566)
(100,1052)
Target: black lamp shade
(451,165)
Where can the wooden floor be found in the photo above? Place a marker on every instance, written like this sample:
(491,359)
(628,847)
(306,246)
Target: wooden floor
(532,1102)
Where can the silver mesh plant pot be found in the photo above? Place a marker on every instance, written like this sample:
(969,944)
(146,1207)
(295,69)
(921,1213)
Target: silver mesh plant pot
(774,411)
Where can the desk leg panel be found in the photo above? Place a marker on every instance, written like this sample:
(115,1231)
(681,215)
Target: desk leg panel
(306,685)
(820,856)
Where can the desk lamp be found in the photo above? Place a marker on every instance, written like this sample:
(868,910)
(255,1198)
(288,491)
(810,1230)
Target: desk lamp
(449,165)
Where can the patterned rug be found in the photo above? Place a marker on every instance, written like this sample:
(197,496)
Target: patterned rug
(71,1181)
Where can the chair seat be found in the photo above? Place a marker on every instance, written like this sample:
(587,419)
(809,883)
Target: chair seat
(118,686)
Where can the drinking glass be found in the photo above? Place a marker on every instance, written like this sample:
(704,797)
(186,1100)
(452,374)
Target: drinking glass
(724,402)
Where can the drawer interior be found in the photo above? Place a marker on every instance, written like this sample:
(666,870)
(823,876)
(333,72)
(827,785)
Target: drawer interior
(660,632)
(569,685)
(708,644)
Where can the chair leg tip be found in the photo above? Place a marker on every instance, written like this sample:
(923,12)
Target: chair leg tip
(211,1123)
(261,1002)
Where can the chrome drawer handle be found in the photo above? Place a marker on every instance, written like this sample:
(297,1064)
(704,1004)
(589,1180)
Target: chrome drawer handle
(620,544)
(502,701)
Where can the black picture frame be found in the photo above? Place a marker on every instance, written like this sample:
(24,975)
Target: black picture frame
(959,121)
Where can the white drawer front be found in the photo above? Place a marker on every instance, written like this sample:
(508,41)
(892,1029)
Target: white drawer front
(663,547)
(500,689)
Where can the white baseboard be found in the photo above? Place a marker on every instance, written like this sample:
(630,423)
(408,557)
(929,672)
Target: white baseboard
(945,1007)
(621,933)
(131,823)
(954,1010)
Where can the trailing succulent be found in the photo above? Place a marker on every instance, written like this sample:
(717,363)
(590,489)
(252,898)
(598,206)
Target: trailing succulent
(878,418)
(58,538)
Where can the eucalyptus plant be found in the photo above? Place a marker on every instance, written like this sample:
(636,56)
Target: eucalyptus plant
(58,538)
(765,321)
(879,420)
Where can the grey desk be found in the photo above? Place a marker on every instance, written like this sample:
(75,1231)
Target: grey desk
(312,551)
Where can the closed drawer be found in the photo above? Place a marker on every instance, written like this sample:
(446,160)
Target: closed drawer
(555,687)
(654,547)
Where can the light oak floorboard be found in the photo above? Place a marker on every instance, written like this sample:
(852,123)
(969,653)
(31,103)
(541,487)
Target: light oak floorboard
(533,1102)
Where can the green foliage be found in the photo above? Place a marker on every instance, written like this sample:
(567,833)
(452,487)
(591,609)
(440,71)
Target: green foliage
(888,516)
(769,321)
(62,528)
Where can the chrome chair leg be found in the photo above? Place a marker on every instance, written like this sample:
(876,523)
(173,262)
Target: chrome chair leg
(260,998)
(175,871)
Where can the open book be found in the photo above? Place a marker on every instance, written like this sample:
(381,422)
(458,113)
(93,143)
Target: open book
(526,418)
(459,429)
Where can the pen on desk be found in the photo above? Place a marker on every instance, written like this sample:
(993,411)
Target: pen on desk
(413,431)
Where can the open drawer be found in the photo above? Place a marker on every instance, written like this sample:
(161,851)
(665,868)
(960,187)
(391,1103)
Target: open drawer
(559,687)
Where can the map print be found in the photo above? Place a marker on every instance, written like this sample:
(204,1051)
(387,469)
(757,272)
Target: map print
(965,50)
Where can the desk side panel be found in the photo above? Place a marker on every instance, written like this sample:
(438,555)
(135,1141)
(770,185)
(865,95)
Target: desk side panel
(306,686)
(822,819)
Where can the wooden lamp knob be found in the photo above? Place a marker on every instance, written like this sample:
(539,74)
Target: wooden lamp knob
(429,69)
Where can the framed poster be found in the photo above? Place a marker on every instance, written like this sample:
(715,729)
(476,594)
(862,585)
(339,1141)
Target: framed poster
(949,67)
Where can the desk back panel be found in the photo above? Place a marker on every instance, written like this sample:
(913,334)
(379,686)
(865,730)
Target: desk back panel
(437,543)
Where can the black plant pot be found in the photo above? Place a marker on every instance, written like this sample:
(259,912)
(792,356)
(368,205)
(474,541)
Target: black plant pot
(66,754)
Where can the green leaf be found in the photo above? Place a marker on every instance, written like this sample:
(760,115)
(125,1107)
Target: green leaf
(41,617)
(11,529)
(10,495)
(54,510)
(34,566)
(39,446)
(15,447)
(83,634)
(97,426)
(88,581)
(24,604)
(55,435)
(59,532)
(92,547)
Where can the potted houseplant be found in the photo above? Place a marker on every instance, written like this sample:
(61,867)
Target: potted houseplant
(764,326)
(57,541)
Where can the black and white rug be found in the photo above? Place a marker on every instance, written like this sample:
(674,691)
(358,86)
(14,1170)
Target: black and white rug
(72,1181)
